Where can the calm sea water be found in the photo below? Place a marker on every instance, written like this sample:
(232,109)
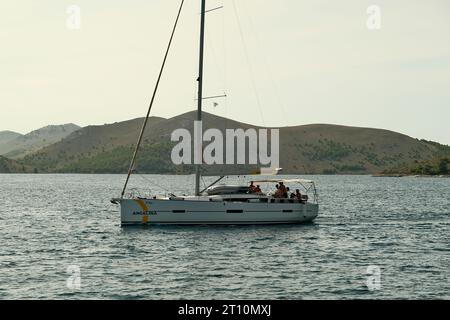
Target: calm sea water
(51,225)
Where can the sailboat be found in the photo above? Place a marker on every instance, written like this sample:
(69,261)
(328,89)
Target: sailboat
(216,204)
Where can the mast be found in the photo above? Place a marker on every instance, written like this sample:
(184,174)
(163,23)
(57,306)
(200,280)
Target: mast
(200,91)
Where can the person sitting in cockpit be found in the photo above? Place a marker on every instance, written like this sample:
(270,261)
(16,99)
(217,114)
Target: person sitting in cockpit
(298,195)
(277,193)
(251,188)
(287,192)
(283,190)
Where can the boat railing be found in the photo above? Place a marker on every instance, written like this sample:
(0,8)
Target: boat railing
(138,194)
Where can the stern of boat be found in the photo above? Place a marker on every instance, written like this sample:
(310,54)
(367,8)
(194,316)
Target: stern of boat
(133,211)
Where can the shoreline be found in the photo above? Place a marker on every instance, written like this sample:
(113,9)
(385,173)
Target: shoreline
(375,175)
(402,175)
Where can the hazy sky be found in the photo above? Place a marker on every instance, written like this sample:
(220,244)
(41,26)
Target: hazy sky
(290,62)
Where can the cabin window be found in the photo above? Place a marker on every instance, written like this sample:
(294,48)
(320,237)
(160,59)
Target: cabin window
(235,211)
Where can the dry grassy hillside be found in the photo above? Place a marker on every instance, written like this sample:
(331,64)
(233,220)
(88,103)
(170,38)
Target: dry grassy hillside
(7,136)
(35,140)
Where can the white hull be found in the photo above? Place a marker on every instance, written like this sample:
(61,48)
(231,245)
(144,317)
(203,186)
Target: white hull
(209,210)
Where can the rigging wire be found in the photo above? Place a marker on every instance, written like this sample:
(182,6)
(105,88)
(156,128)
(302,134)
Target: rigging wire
(152,182)
(258,101)
(267,66)
(224,47)
(144,124)
(210,48)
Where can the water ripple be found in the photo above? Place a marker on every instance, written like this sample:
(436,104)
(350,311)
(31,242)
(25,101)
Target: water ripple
(51,222)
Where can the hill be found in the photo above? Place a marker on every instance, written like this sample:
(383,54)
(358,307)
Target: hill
(22,145)
(7,136)
(317,148)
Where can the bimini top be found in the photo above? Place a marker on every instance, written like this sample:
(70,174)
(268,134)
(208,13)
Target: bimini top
(303,181)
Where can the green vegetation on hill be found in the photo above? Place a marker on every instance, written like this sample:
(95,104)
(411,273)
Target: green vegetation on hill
(437,165)
(11,166)
(433,167)
(153,158)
